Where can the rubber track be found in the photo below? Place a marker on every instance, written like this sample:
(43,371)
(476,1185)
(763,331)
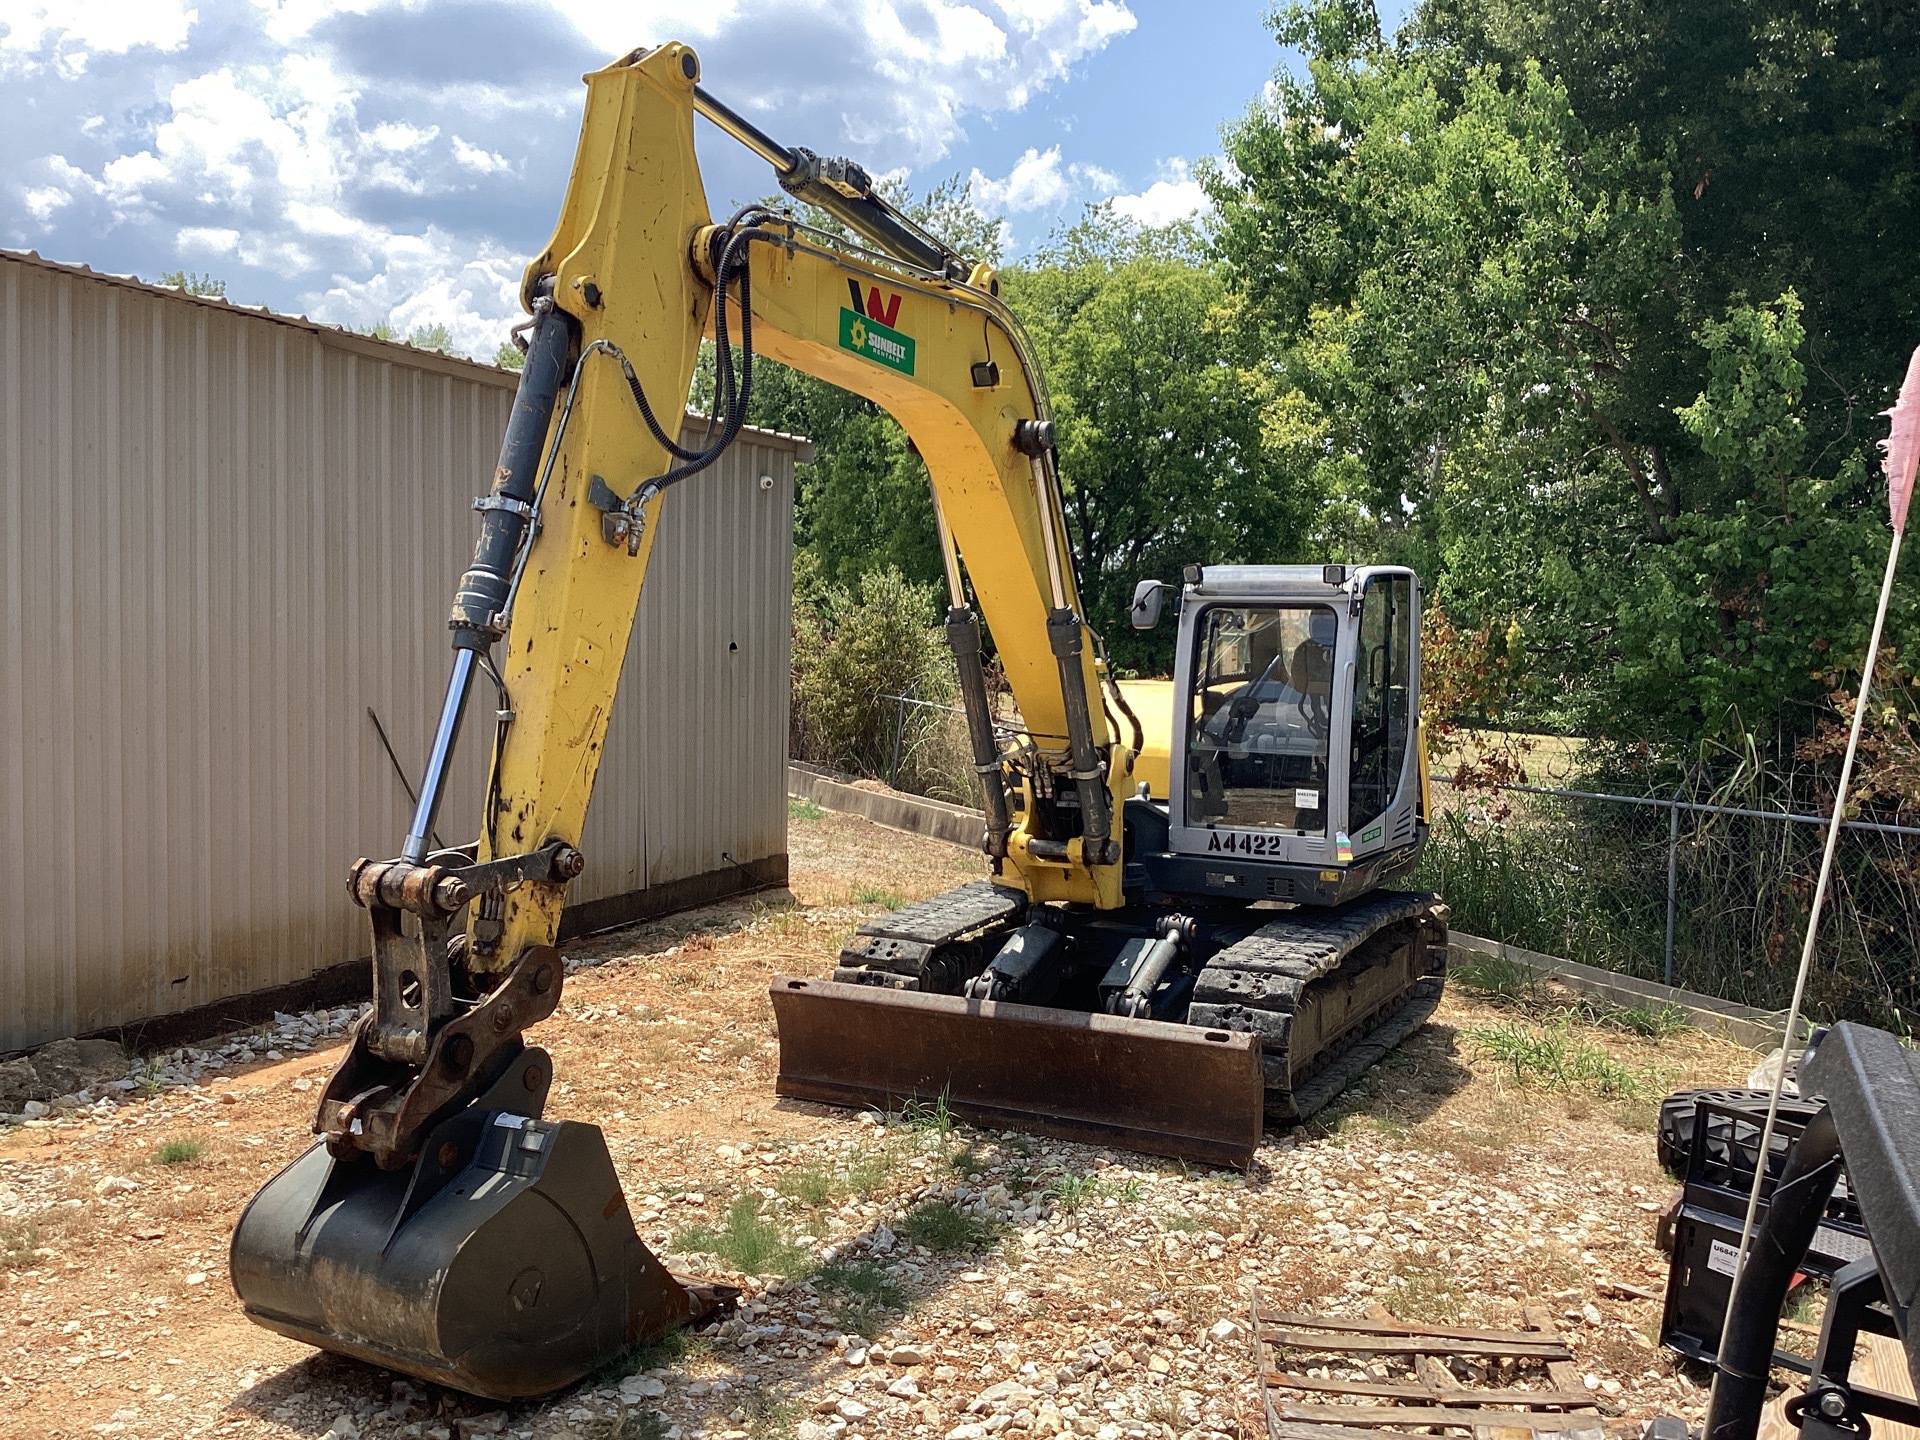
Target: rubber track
(1255,984)
(903,940)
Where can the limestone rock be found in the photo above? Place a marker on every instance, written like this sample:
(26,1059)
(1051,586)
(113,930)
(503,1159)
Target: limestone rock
(69,1065)
(19,1083)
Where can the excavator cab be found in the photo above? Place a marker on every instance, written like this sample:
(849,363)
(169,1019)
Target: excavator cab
(1297,700)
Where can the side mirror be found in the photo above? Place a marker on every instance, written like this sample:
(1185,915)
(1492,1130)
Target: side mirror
(1148,597)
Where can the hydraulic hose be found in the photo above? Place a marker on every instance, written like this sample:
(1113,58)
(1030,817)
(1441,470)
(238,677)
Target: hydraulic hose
(1753,1311)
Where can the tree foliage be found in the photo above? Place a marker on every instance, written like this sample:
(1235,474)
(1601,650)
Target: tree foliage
(1530,269)
(1171,450)
(195,284)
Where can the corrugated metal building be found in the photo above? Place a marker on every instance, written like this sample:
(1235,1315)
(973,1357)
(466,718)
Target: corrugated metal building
(228,541)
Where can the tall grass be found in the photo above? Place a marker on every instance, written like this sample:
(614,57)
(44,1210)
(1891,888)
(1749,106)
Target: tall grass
(1587,881)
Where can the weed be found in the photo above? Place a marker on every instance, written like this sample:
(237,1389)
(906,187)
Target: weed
(1656,1022)
(769,1417)
(967,1162)
(937,1225)
(1162,1407)
(1184,1223)
(1422,1291)
(1069,1192)
(875,895)
(181,1152)
(868,1290)
(669,1349)
(829,1181)
(935,1118)
(798,809)
(17,1245)
(641,1424)
(1640,1114)
(748,1241)
(1495,977)
(1553,1057)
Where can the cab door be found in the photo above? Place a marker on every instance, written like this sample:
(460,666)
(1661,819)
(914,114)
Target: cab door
(1383,724)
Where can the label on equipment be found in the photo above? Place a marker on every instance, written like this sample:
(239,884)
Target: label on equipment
(1723,1257)
(879,343)
(1306,799)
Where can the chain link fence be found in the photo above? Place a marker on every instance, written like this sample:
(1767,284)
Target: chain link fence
(1711,898)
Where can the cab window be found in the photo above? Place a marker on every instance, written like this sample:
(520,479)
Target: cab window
(1262,690)
(1382,689)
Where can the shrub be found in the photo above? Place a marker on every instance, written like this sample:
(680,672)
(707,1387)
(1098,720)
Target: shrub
(852,651)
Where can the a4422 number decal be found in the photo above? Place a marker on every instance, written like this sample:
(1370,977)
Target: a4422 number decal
(1240,843)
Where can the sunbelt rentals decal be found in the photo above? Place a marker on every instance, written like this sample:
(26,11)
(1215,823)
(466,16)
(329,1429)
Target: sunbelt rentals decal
(867,329)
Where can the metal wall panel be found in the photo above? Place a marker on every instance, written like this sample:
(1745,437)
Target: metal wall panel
(224,537)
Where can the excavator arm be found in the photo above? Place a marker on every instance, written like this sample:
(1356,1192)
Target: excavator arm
(421,1231)
(621,295)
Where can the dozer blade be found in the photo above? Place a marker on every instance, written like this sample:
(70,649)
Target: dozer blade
(503,1262)
(1137,1084)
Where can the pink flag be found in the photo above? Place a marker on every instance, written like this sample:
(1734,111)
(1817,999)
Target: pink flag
(1900,451)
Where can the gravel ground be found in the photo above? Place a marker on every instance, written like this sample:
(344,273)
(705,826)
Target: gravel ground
(903,1276)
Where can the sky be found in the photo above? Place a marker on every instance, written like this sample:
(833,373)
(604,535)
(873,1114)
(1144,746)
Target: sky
(397,161)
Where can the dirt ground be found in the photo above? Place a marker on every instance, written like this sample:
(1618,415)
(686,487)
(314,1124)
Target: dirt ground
(938,1281)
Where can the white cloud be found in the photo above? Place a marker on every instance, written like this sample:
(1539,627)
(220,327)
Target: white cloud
(395,136)
(893,80)
(479,160)
(208,240)
(1038,181)
(1175,196)
(69,33)
(1035,181)
(431,279)
(385,159)
(43,200)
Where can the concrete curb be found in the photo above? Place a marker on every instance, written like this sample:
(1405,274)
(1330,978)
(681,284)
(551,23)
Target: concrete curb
(1756,1029)
(937,820)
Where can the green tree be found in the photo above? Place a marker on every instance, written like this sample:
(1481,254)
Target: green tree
(195,284)
(1173,449)
(431,337)
(509,356)
(1537,379)
(1788,129)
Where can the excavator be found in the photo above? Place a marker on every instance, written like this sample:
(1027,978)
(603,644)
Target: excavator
(1185,933)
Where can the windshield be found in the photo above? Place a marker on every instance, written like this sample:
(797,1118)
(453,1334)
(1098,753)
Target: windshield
(1257,737)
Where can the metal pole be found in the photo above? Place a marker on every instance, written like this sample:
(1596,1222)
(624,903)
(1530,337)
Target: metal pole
(1819,902)
(433,785)
(899,731)
(1673,880)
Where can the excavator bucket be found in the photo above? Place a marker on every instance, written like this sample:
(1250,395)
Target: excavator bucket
(1146,1085)
(503,1262)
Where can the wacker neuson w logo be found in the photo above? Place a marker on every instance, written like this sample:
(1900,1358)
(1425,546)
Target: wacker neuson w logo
(867,329)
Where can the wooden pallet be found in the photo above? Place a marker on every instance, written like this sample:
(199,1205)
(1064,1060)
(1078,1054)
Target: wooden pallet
(1429,1396)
